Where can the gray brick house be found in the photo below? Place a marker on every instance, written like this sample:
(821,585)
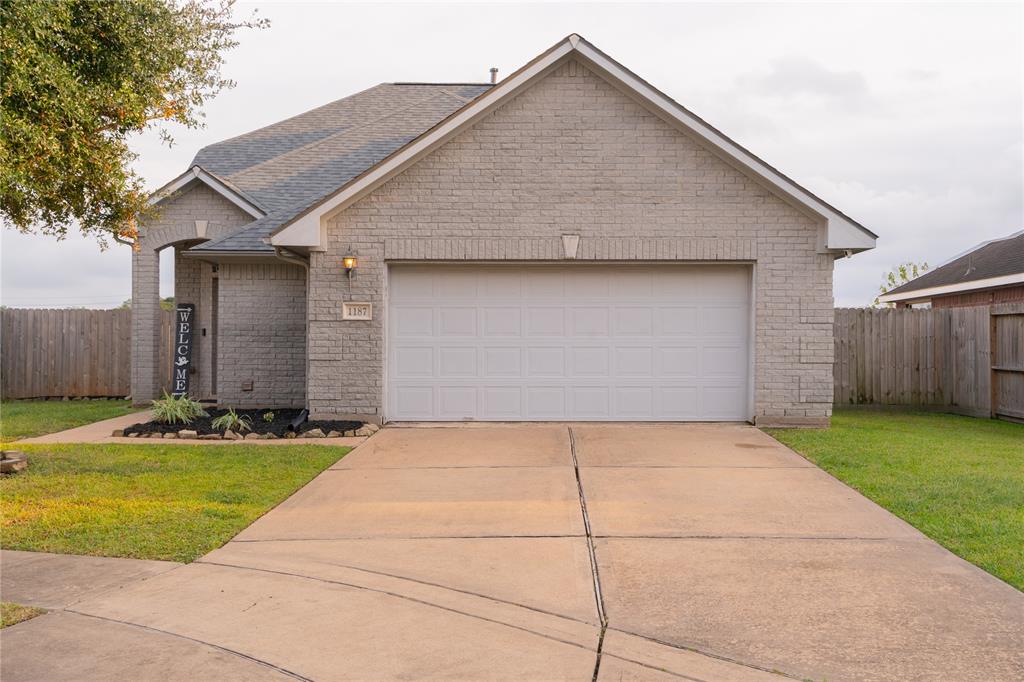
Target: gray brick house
(566,244)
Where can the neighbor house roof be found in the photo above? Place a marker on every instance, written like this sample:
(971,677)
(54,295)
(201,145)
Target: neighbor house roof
(284,168)
(995,263)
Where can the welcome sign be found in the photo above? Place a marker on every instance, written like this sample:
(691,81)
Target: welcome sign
(184,314)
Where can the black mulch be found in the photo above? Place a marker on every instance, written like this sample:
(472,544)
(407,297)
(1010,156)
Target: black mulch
(278,425)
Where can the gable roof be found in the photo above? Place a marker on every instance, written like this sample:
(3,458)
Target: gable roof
(843,234)
(284,168)
(999,262)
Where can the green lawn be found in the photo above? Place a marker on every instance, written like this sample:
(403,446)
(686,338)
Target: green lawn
(27,418)
(959,480)
(12,614)
(148,501)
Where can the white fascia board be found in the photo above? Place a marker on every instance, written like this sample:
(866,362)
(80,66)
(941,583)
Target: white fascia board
(198,174)
(916,294)
(842,234)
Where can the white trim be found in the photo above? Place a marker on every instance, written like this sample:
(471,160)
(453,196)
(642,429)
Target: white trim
(196,173)
(973,285)
(842,234)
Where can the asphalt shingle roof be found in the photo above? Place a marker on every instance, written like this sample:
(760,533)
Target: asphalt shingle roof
(994,259)
(289,166)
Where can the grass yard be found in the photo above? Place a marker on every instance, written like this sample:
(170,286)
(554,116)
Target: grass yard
(28,418)
(148,501)
(12,614)
(959,480)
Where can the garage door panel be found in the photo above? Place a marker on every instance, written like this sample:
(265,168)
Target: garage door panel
(455,401)
(720,402)
(545,402)
(678,402)
(546,361)
(415,402)
(590,283)
(724,320)
(414,362)
(633,283)
(457,361)
(456,321)
(501,283)
(677,320)
(503,321)
(589,402)
(589,321)
(545,285)
(634,321)
(568,342)
(589,361)
(413,321)
(502,361)
(634,402)
(502,402)
(723,361)
(635,361)
(547,321)
(678,361)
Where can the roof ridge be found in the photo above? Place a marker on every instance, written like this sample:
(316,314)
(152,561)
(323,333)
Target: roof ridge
(341,133)
(291,118)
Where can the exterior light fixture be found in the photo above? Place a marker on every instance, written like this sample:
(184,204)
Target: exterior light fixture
(350,263)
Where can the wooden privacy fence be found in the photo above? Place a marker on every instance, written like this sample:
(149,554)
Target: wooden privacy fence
(54,353)
(967,360)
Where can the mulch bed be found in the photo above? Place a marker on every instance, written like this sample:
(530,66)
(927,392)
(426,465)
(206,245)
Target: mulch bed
(278,426)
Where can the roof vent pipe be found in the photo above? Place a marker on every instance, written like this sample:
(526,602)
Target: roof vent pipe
(494,75)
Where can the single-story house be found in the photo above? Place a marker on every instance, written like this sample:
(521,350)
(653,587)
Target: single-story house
(990,273)
(566,244)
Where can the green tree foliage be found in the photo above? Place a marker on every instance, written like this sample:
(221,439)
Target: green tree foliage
(898,276)
(79,78)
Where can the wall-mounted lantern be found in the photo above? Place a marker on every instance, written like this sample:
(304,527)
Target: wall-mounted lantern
(350,263)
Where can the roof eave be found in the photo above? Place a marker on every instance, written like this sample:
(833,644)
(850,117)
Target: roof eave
(842,235)
(219,185)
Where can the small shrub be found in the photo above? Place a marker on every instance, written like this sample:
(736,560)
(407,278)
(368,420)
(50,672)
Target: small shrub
(268,417)
(231,421)
(171,410)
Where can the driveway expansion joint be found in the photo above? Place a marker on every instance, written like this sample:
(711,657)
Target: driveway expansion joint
(598,597)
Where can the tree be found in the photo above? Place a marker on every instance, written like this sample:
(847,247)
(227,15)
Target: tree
(165,303)
(79,78)
(898,276)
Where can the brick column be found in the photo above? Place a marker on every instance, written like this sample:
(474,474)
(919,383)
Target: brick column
(146,380)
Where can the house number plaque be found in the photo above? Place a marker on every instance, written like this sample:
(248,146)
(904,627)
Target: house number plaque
(357,311)
(184,315)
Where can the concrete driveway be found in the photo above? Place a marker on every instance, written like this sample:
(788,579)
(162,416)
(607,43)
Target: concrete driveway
(646,552)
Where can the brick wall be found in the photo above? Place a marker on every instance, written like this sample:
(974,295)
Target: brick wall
(173,225)
(573,155)
(262,327)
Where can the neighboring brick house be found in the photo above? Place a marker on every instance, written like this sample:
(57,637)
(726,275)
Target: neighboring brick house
(567,244)
(990,273)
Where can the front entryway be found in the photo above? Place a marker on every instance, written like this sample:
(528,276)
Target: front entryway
(580,342)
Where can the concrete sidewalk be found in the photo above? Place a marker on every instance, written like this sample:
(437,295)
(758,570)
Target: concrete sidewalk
(642,552)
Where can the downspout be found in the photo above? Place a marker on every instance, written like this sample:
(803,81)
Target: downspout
(291,258)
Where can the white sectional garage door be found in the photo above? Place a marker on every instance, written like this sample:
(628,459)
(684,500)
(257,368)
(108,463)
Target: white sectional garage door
(581,342)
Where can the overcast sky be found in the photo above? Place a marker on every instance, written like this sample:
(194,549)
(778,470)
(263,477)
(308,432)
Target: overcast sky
(907,117)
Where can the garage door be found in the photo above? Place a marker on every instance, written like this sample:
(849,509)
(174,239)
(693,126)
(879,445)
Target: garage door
(582,342)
